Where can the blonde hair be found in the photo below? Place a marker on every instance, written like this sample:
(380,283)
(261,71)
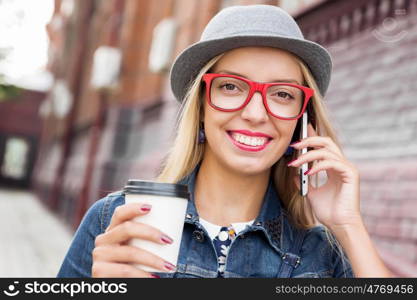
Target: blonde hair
(187,153)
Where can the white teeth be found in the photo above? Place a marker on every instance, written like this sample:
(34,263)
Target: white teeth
(248,140)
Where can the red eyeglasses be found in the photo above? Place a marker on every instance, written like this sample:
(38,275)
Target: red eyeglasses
(230,93)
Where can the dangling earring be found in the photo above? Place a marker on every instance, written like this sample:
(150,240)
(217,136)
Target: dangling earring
(201,134)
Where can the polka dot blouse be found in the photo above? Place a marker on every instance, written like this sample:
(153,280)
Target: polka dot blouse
(222,237)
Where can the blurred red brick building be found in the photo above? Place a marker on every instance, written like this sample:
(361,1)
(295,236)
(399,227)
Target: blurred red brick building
(103,136)
(20,128)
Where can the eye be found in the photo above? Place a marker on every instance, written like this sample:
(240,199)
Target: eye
(284,95)
(228,86)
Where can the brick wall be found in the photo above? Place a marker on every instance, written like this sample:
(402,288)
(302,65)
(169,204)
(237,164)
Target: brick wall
(19,118)
(373,104)
(68,139)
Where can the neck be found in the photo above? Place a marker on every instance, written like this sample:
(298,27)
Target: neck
(223,196)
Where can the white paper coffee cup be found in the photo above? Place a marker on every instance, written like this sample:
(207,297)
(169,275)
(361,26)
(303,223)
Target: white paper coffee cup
(169,206)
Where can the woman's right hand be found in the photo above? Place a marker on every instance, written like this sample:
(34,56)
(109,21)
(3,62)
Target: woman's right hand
(113,257)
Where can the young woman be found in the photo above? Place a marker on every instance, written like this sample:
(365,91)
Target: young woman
(243,88)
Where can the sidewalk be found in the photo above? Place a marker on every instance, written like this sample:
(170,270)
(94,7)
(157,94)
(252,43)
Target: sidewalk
(33,242)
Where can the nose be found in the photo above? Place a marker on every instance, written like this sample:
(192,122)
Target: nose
(255,110)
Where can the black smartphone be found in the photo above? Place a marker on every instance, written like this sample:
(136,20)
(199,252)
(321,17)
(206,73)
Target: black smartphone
(304,167)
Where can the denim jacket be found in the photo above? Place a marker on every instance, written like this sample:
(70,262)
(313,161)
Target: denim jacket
(270,247)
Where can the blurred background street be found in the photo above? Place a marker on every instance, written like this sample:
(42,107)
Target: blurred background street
(33,240)
(85,105)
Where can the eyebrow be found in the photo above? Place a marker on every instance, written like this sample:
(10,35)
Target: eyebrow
(276,80)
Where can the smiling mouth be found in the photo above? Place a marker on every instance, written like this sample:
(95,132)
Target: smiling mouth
(249,141)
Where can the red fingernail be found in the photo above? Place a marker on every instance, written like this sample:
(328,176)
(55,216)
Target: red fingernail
(146,207)
(169,266)
(292,161)
(166,239)
(292,144)
(307,172)
(155,276)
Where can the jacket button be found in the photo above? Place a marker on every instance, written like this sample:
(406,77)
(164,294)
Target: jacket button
(198,235)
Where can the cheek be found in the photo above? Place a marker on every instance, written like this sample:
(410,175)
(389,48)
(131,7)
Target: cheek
(214,121)
(285,129)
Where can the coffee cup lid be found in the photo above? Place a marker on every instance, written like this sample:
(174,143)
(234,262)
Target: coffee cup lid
(135,186)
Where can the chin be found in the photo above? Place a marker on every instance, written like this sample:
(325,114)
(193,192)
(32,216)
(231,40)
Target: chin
(248,167)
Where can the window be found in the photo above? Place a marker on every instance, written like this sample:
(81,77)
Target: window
(15,158)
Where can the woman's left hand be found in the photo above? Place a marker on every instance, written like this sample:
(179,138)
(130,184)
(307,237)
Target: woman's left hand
(336,203)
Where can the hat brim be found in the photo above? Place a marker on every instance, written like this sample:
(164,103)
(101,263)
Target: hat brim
(189,63)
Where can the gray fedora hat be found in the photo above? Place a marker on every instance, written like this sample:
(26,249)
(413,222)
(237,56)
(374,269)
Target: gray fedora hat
(250,25)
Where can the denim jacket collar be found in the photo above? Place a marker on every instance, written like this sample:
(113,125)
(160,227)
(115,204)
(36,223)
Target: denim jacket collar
(269,220)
